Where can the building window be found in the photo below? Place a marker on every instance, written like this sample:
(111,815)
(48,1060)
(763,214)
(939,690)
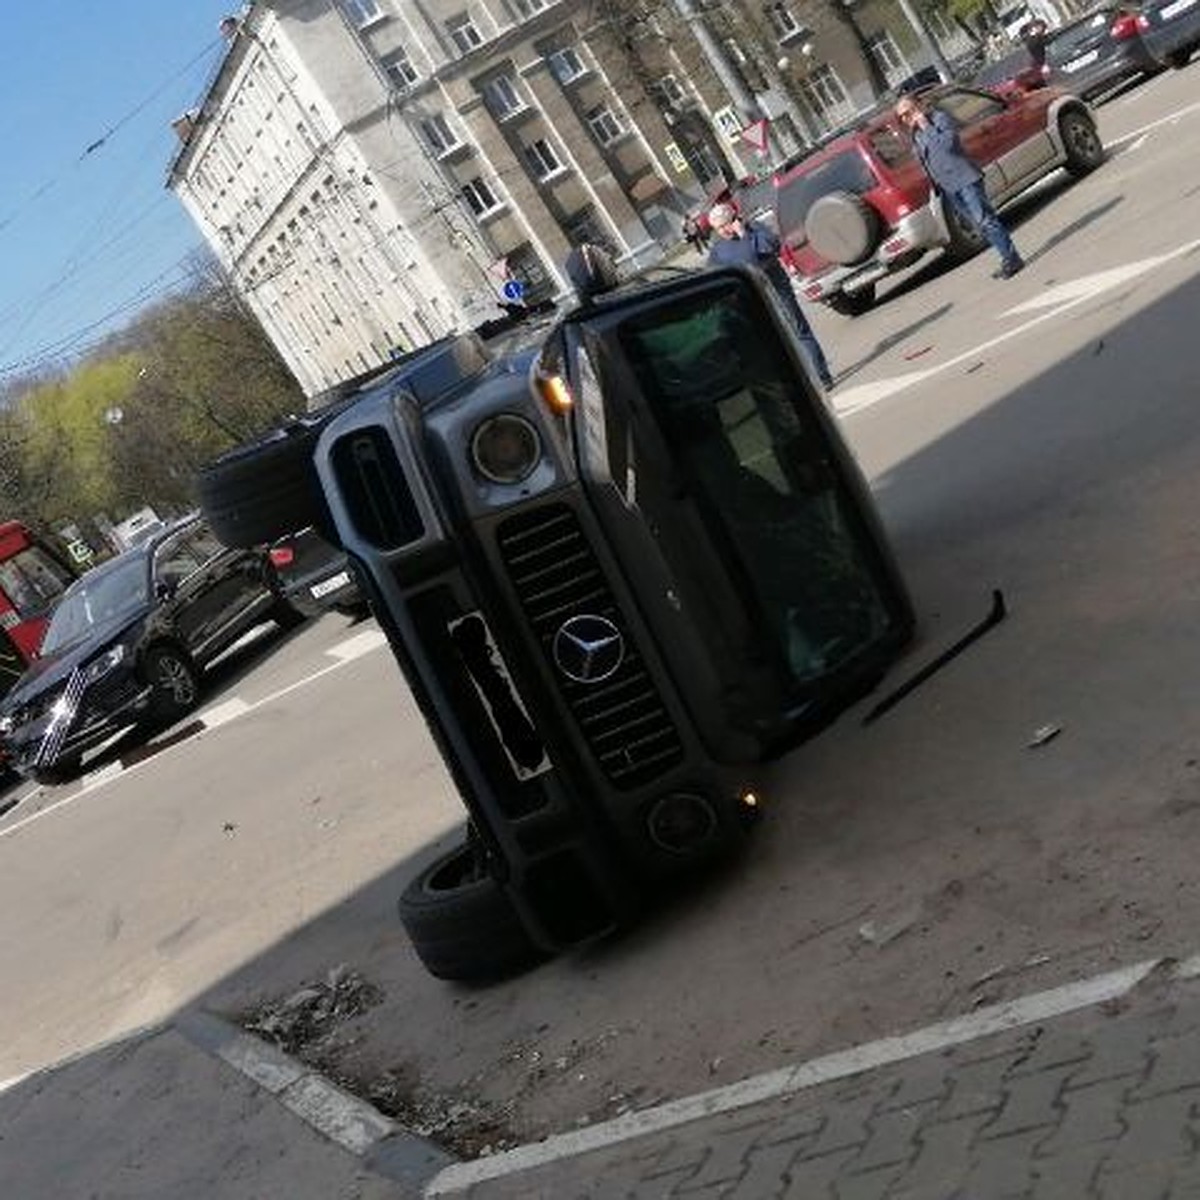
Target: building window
(566,64)
(438,134)
(362,12)
(480,196)
(527,8)
(668,92)
(525,265)
(825,95)
(586,227)
(604,125)
(503,99)
(463,33)
(949,36)
(542,159)
(728,122)
(887,54)
(399,69)
(784,22)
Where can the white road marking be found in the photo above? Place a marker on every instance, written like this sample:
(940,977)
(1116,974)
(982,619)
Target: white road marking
(357,646)
(102,775)
(227,710)
(1087,286)
(1061,299)
(1138,144)
(996,1018)
(1169,119)
(344,653)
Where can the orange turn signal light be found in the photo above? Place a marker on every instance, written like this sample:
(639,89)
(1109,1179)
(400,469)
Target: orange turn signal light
(555,393)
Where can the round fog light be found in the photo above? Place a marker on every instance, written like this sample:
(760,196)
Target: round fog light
(681,822)
(506,448)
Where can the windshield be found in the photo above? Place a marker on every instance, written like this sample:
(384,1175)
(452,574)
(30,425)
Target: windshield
(846,172)
(757,465)
(99,597)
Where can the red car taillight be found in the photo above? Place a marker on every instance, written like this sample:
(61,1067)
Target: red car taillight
(1128,26)
(282,556)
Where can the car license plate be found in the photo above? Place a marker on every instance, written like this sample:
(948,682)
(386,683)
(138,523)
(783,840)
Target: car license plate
(332,584)
(1173,10)
(1084,60)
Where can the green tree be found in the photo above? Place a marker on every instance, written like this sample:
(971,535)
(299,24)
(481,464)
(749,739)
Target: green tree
(129,425)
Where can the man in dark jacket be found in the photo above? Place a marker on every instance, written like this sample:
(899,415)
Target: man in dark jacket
(936,142)
(739,241)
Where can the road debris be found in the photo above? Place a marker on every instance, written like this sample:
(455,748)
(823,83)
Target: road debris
(311,1013)
(880,933)
(997,614)
(1042,735)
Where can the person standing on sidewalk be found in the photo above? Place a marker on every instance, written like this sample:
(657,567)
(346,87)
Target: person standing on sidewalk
(739,241)
(960,181)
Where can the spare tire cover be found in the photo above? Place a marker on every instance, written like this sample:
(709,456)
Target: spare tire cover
(842,228)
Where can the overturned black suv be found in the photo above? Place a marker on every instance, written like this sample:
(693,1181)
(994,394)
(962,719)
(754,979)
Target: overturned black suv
(622,557)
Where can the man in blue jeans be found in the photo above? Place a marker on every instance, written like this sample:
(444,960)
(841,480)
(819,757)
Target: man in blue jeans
(739,241)
(935,139)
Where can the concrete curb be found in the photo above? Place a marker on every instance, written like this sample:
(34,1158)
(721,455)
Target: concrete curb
(385,1148)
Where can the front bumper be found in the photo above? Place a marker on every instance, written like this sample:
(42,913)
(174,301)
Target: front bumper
(104,709)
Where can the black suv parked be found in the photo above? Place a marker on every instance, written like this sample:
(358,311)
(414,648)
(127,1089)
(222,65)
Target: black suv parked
(622,558)
(128,641)
(315,576)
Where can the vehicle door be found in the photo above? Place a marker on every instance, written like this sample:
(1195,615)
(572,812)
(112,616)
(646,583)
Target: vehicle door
(182,607)
(1022,139)
(233,584)
(983,131)
(207,589)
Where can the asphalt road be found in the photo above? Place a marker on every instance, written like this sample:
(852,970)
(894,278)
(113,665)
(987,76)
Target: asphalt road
(1036,435)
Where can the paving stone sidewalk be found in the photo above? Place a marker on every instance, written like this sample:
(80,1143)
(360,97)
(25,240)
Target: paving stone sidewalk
(1103,1104)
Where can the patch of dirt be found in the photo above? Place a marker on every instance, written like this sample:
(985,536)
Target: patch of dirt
(316,1025)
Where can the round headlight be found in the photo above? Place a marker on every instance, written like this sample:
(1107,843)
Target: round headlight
(506,448)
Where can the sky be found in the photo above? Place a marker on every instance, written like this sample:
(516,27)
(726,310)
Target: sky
(88,231)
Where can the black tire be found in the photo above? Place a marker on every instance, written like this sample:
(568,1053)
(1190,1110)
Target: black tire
(852,304)
(460,922)
(1180,58)
(176,684)
(57,773)
(266,489)
(966,239)
(842,228)
(286,615)
(1081,143)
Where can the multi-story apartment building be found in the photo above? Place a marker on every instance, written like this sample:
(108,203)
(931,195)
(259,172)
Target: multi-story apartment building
(373,173)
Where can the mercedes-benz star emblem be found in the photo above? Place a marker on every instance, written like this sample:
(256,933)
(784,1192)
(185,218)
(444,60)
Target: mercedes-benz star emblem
(588,649)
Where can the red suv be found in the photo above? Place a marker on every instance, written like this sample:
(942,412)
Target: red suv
(862,207)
